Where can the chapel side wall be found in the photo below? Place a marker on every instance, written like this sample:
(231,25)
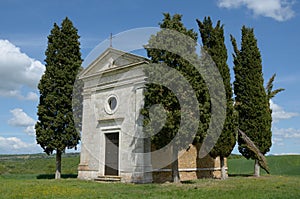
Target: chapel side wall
(190,167)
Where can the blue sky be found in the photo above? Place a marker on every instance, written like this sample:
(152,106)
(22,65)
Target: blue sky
(25,25)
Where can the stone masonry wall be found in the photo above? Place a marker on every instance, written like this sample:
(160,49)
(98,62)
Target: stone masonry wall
(191,167)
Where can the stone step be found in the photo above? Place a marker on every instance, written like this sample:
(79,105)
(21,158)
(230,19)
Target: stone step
(108,179)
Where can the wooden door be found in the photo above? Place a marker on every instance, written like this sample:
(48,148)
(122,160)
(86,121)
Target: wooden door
(112,154)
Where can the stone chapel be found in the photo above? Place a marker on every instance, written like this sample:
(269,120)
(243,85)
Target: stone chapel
(111,149)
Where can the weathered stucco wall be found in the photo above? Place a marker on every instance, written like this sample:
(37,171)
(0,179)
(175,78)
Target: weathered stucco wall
(191,167)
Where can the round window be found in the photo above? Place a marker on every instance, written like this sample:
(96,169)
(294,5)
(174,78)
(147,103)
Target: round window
(112,103)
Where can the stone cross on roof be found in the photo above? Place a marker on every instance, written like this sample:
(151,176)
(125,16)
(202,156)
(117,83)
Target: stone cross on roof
(110,40)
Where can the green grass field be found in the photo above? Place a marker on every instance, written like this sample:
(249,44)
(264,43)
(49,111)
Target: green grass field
(36,166)
(288,165)
(29,176)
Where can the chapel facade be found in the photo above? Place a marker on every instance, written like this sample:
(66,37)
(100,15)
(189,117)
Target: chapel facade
(112,143)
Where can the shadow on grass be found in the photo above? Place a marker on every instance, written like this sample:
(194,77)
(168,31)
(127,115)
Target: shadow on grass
(240,175)
(52,176)
(188,182)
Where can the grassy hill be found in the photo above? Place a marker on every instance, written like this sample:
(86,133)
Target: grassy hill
(27,176)
(37,166)
(43,166)
(288,165)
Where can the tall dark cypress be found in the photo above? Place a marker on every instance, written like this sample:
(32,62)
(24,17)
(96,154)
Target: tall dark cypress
(251,100)
(213,42)
(159,94)
(55,128)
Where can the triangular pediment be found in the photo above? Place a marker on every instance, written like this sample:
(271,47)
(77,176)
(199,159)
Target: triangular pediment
(111,59)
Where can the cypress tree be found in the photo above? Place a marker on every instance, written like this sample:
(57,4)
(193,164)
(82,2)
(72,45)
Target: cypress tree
(55,128)
(213,43)
(159,94)
(251,101)
(269,88)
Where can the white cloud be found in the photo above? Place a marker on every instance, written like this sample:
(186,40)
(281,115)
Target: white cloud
(278,113)
(282,136)
(280,10)
(17,94)
(30,96)
(277,141)
(30,130)
(21,119)
(18,70)
(14,145)
(286,133)
(286,154)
